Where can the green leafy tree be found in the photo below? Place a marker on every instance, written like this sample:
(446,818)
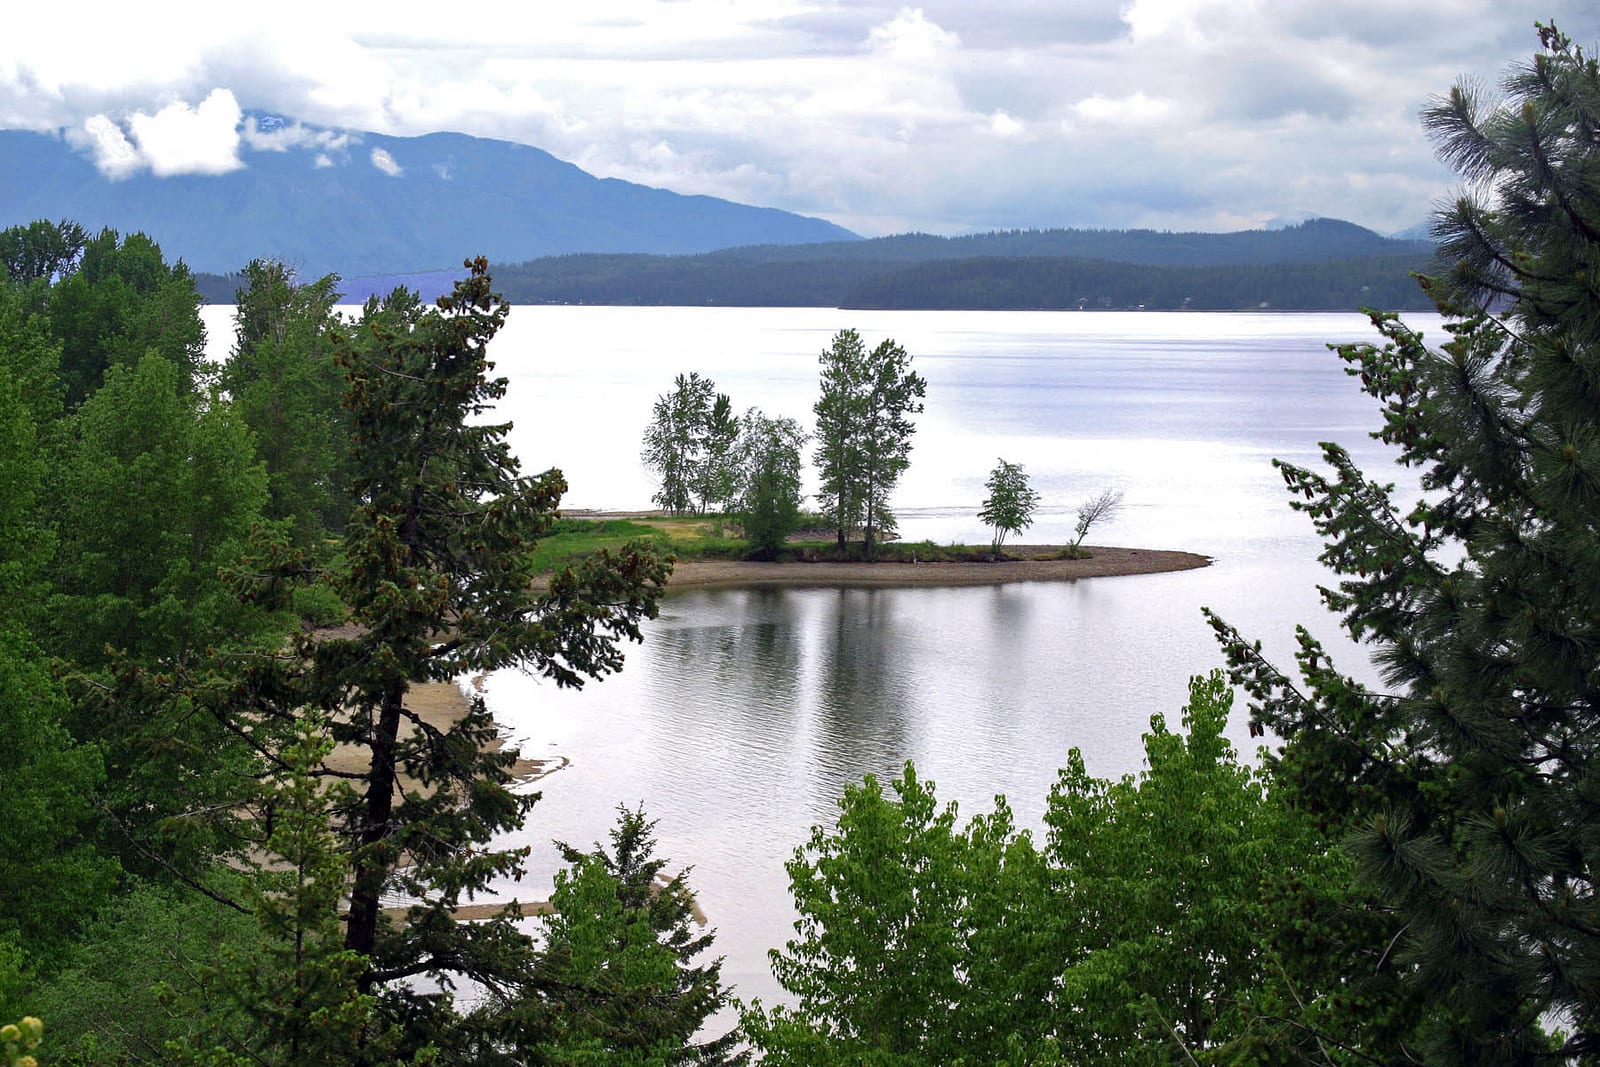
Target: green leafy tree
(122,302)
(285,385)
(27,539)
(1175,916)
(718,478)
(52,877)
(438,575)
(769,504)
(864,432)
(1469,782)
(41,250)
(1010,503)
(1155,892)
(690,446)
(157,495)
(911,947)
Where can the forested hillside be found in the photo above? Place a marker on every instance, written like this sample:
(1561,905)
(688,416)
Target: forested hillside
(1320,265)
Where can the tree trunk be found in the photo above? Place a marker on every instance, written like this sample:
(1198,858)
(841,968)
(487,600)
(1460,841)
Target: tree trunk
(361,932)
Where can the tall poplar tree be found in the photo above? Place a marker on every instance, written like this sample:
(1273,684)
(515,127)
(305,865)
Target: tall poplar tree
(1470,782)
(864,432)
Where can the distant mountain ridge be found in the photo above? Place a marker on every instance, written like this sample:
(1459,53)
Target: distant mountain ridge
(1319,264)
(1312,241)
(383,205)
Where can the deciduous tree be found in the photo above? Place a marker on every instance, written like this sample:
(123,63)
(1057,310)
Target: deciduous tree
(1095,510)
(864,432)
(285,384)
(769,503)
(1009,506)
(690,446)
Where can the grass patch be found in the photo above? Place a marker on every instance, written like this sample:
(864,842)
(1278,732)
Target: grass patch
(689,537)
(686,537)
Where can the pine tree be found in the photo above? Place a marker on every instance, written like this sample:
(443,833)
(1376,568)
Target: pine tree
(620,978)
(1471,784)
(436,571)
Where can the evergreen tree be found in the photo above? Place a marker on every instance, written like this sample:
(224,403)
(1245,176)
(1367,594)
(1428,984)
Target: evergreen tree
(620,979)
(1471,784)
(439,580)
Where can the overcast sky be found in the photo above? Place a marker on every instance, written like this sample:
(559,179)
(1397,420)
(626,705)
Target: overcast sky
(949,116)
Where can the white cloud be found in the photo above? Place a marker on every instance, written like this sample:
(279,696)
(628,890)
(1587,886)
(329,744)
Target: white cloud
(386,163)
(882,114)
(284,136)
(1136,108)
(180,139)
(910,35)
(321,161)
(113,153)
(1005,126)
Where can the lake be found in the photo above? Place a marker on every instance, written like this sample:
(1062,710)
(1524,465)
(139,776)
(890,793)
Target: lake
(745,712)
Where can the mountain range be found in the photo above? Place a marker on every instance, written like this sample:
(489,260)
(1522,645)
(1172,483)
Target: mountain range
(363,203)
(381,211)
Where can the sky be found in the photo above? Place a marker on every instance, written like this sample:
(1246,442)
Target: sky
(950,116)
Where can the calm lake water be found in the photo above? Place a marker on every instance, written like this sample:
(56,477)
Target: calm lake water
(745,712)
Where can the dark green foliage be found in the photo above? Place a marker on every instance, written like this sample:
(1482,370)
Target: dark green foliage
(1470,786)
(290,996)
(286,387)
(1319,264)
(864,433)
(157,494)
(619,978)
(41,251)
(122,302)
(26,537)
(51,875)
(436,572)
(769,506)
(110,1000)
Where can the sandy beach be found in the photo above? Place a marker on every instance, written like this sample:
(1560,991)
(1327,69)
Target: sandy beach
(1102,563)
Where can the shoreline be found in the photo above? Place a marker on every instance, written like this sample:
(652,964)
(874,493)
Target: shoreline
(1105,562)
